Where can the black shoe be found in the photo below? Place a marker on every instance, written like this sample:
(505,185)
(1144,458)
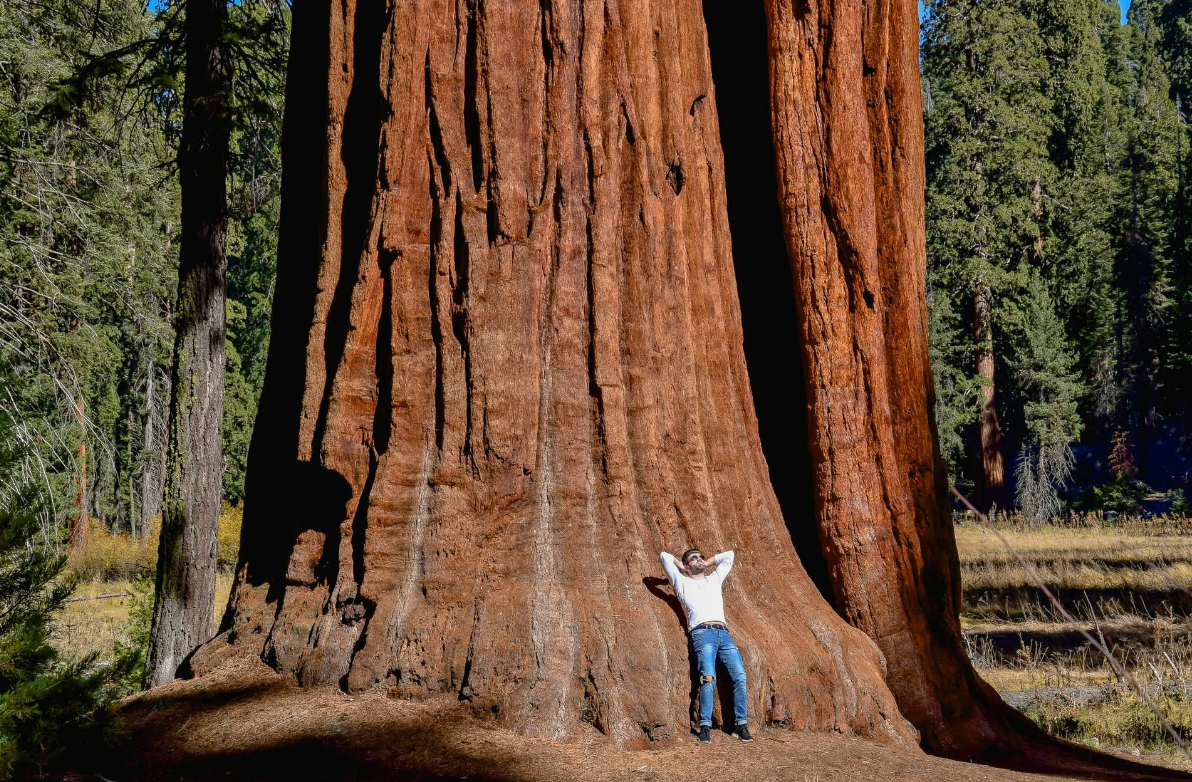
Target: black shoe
(705,736)
(743,733)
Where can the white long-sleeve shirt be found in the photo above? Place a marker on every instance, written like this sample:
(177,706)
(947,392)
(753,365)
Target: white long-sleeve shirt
(701,597)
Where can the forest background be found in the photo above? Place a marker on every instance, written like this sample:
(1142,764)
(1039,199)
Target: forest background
(1059,208)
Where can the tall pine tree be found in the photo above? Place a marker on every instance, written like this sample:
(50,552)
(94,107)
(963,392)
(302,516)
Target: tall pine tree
(989,118)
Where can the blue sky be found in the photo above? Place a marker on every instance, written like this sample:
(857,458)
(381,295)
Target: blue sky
(1123,3)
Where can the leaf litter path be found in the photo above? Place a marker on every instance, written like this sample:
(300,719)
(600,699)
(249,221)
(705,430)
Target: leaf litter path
(245,722)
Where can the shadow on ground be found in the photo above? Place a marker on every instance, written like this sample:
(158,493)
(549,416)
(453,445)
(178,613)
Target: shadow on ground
(244,722)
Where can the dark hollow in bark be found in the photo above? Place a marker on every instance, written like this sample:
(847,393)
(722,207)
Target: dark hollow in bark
(183,612)
(740,67)
(507,370)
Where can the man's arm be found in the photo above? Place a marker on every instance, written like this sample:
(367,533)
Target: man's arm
(671,566)
(723,562)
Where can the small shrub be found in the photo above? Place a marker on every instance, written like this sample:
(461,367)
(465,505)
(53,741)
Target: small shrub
(230,519)
(1122,495)
(1182,505)
(110,556)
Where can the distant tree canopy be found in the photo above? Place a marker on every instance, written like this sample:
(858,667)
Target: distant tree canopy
(1057,165)
(89,220)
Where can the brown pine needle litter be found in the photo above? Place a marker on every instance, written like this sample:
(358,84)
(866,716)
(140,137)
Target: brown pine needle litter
(246,722)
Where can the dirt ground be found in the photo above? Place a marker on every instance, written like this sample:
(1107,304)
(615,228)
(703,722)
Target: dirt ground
(244,722)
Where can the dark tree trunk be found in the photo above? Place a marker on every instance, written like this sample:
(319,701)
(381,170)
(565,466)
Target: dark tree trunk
(506,372)
(991,473)
(153,456)
(849,140)
(80,522)
(183,614)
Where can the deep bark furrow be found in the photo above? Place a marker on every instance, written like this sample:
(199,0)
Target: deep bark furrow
(436,330)
(471,112)
(361,132)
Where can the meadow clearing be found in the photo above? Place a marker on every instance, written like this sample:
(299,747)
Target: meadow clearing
(113,600)
(1127,582)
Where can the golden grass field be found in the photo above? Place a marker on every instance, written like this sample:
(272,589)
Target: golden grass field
(1128,585)
(97,625)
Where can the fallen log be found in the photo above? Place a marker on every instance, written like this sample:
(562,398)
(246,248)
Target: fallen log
(96,597)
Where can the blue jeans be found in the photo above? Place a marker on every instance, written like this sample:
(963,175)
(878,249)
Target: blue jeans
(709,645)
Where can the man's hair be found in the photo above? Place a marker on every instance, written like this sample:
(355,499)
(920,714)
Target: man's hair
(688,553)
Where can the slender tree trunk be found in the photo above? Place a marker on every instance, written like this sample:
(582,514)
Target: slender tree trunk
(151,484)
(185,594)
(849,147)
(80,522)
(507,371)
(991,479)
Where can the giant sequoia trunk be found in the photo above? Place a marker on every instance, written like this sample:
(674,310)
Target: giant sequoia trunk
(849,155)
(507,369)
(506,372)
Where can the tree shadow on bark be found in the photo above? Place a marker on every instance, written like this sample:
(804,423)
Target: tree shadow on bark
(275,436)
(315,500)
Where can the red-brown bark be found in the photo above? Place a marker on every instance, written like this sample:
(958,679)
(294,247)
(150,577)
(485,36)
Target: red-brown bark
(991,471)
(849,140)
(506,371)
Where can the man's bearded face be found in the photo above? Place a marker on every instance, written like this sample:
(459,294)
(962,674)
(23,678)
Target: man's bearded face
(696,564)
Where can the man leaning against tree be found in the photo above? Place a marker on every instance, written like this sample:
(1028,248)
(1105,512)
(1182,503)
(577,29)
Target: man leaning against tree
(698,582)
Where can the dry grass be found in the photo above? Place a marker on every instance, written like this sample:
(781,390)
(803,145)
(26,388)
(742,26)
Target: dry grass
(1082,575)
(96,626)
(1073,692)
(1007,679)
(1164,525)
(1076,558)
(107,564)
(978,545)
